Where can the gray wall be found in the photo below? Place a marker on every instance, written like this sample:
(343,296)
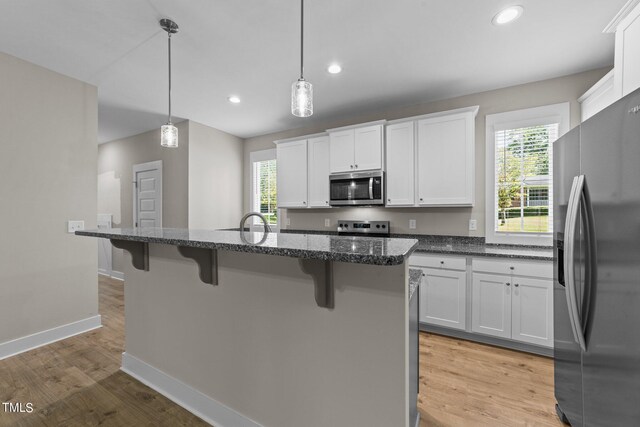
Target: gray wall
(115,179)
(48,167)
(448,221)
(215,178)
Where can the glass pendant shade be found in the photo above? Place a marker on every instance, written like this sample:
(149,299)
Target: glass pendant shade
(169,135)
(302,98)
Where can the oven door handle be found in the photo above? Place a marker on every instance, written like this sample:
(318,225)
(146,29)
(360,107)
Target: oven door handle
(371,188)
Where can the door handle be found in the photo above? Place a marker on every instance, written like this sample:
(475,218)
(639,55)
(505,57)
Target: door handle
(569,262)
(370,188)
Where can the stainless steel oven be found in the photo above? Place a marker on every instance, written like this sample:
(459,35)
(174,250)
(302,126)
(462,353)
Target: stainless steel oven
(356,188)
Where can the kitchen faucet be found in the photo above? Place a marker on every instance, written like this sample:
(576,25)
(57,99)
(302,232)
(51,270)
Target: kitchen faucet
(267,229)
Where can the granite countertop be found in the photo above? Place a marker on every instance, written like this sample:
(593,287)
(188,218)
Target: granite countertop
(463,246)
(359,250)
(415,277)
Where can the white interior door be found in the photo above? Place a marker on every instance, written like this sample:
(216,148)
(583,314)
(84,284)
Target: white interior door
(147,195)
(105,252)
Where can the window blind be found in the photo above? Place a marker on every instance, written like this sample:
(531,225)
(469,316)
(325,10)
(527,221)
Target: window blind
(524,179)
(265,189)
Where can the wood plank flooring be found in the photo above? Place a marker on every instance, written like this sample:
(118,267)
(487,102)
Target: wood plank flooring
(77,382)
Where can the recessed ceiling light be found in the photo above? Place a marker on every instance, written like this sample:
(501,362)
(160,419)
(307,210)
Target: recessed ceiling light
(334,68)
(507,15)
(234,99)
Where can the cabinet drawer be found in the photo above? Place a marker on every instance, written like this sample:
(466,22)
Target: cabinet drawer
(438,261)
(542,269)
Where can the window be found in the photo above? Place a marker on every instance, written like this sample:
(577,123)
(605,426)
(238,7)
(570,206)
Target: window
(520,173)
(263,186)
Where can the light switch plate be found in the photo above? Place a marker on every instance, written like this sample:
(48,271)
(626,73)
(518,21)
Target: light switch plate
(73,226)
(288,221)
(412,224)
(327,222)
(473,225)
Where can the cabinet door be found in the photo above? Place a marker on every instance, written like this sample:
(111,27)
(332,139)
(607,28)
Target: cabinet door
(446,160)
(443,296)
(627,48)
(292,174)
(319,172)
(532,311)
(368,148)
(491,305)
(341,149)
(400,164)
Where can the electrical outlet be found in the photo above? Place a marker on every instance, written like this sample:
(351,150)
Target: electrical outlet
(327,222)
(473,225)
(412,224)
(73,226)
(288,221)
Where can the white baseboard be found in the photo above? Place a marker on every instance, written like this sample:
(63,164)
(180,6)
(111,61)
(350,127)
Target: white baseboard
(117,275)
(103,272)
(192,400)
(29,342)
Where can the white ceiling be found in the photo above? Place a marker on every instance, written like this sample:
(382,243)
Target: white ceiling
(393,52)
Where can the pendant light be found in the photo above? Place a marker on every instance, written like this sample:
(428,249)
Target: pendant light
(302,90)
(168,132)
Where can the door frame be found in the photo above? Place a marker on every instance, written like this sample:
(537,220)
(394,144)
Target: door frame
(143,167)
(258,156)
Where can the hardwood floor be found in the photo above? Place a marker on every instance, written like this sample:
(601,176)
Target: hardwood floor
(77,382)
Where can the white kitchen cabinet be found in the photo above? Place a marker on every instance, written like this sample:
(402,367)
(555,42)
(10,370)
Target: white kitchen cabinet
(491,305)
(356,148)
(443,297)
(292,174)
(532,311)
(400,156)
(513,299)
(627,60)
(446,159)
(318,172)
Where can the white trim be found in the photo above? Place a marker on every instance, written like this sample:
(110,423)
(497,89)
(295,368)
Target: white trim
(473,109)
(142,167)
(559,113)
(30,342)
(118,275)
(260,156)
(623,13)
(359,125)
(194,401)
(297,138)
(604,82)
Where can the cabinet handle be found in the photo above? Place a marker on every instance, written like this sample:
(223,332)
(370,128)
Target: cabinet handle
(508,284)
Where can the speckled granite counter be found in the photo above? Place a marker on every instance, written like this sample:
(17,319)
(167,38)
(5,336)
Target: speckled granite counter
(359,250)
(463,246)
(415,277)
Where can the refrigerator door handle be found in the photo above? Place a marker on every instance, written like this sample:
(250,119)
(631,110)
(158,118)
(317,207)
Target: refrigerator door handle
(591,259)
(569,259)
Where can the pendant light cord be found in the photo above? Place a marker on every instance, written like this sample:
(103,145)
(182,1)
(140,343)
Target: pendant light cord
(301,39)
(169,43)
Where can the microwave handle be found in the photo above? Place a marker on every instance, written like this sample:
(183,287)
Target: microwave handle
(371,188)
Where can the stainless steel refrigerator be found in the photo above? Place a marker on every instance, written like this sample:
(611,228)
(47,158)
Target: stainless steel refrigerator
(597,268)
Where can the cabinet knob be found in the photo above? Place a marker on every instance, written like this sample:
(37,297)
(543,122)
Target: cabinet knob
(516,285)
(441,262)
(388,200)
(511,268)
(421,199)
(351,166)
(508,284)
(356,166)
(326,201)
(423,274)
(304,203)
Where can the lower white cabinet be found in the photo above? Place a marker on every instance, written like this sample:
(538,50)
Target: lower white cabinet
(532,311)
(491,305)
(443,297)
(511,306)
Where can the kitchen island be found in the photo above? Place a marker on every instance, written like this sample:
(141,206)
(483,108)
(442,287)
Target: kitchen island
(247,329)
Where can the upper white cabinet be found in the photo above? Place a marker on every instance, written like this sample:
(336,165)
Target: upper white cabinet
(400,148)
(431,158)
(356,148)
(291,167)
(318,172)
(625,76)
(446,160)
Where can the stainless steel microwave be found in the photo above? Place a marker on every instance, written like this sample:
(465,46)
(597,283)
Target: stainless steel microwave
(356,188)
